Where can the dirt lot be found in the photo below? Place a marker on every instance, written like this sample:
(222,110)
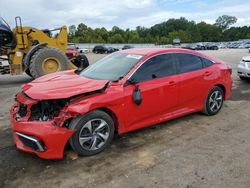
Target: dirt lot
(193,151)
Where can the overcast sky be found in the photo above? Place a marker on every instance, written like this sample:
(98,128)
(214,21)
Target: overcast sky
(122,13)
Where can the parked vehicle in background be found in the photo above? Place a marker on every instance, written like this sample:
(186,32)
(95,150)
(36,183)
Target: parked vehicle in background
(71,51)
(34,51)
(122,92)
(211,46)
(195,46)
(247,45)
(222,45)
(234,44)
(82,50)
(243,68)
(111,49)
(78,59)
(100,49)
(176,41)
(125,47)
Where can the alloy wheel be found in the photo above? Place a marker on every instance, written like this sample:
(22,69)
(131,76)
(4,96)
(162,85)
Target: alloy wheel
(94,134)
(215,101)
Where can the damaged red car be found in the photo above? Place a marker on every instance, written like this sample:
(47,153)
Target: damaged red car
(122,92)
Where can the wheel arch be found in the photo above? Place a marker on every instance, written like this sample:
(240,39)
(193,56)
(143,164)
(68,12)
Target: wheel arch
(111,114)
(223,89)
(84,110)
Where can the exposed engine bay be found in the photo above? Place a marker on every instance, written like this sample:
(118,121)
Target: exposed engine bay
(46,110)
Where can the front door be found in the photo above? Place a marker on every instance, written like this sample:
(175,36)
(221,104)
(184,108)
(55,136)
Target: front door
(158,86)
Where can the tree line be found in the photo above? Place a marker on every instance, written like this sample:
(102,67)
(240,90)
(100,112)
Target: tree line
(163,33)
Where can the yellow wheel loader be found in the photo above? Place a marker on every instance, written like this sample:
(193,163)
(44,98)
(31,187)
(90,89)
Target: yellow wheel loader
(36,51)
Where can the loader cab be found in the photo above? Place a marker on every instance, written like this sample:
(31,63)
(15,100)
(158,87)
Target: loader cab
(7,39)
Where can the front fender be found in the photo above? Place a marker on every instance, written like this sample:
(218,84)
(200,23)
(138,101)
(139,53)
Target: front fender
(87,105)
(80,108)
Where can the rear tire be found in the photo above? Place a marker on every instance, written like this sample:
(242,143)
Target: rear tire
(94,133)
(214,101)
(47,60)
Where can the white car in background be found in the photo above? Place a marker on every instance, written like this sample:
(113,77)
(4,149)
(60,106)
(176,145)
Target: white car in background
(82,50)
(243,68)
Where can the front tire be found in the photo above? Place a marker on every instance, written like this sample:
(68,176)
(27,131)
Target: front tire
(94,133)
(214,101)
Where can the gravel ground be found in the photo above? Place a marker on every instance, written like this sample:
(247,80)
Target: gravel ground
(192,151)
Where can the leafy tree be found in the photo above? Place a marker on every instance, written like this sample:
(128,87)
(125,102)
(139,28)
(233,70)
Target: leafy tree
(72,30)
(81,29)
(162,33)
(193,33)
(209,32)
(133,37)
(183,35)
(116,38)
(225,21)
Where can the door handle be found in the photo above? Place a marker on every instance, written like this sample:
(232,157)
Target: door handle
(171,83)
(207,73)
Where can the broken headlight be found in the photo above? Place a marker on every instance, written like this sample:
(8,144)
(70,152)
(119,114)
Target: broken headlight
(46,110)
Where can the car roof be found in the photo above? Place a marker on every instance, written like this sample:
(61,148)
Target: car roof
(155,51)
(152,51)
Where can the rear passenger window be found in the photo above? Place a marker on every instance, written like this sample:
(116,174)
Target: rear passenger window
(188,62)
(156,67)
(206,62)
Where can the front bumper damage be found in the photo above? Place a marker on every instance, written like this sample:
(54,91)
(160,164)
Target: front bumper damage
(46,139)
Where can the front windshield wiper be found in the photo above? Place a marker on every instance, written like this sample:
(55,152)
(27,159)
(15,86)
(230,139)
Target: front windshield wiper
(121,77)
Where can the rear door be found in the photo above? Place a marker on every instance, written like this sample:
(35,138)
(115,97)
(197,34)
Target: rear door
(194,82)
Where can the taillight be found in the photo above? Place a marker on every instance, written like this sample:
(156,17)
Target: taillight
(229,69)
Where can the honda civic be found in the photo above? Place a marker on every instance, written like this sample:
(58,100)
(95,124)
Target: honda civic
(123,92)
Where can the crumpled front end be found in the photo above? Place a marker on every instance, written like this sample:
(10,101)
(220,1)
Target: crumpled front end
(40,127)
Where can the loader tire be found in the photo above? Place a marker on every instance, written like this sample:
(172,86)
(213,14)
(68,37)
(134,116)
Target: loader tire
(47,60)
(27,71)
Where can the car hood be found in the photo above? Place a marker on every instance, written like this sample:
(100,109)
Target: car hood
(60,85)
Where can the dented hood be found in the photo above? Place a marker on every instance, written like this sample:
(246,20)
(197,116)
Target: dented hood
(61,85)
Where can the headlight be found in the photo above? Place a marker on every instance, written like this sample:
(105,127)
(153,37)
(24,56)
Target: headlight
(243,63)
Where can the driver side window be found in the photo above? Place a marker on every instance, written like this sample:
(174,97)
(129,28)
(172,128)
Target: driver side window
(156,67)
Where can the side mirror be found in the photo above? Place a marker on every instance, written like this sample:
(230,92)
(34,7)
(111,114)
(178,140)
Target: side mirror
(137,98)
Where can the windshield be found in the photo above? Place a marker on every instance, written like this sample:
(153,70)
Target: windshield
(112,67)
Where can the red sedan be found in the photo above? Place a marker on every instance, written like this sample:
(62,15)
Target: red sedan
(122,92)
